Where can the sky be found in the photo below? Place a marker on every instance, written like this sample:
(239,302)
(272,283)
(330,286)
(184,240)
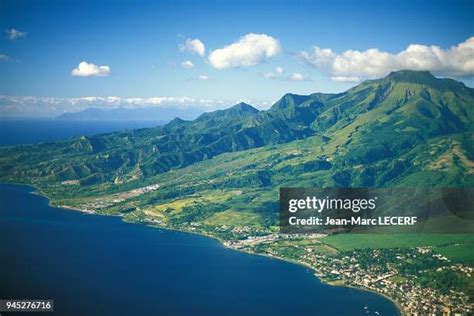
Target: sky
(62,56)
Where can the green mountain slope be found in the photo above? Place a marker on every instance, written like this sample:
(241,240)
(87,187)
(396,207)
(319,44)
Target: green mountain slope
(220,175)
(225,167)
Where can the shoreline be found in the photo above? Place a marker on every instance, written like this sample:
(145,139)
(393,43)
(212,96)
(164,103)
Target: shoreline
(341,284)
(222,242)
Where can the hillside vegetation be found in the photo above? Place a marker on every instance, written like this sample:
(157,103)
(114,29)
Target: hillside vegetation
(224,168)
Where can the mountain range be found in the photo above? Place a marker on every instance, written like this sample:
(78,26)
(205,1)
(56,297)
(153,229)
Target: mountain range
(408,129)
(158,113)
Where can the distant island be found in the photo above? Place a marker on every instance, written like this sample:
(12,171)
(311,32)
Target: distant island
(150,113)
(219,175)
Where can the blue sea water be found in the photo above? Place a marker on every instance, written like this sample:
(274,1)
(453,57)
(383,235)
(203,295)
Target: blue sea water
(30,131)
(98,265)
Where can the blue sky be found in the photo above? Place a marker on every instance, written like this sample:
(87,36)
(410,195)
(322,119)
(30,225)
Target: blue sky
(141,46)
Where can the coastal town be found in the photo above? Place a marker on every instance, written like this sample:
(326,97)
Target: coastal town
(395,273)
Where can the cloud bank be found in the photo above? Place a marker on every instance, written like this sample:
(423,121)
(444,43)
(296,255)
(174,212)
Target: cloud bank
(15,106)
(354,65)
(249,50)
(85,69)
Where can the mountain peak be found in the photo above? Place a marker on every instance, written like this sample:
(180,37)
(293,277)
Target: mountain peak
(425,78)
(415,76)
(244,107)
(176,121)
(289,100)
(240,109)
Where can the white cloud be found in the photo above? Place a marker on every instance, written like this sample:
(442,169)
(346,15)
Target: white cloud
(194,46)
(187,64)
(297,77)
(345,79)
(279,75)
(13,34)
(4,57)
(203,77)
(249,50)
(85,69)
(269,75)
(354,65)
(279,70)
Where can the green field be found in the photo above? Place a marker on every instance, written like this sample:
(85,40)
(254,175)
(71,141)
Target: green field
(458,252)
(357,241)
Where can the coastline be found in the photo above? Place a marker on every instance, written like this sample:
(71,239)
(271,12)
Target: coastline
(37,191)
(399,307)
(341,284)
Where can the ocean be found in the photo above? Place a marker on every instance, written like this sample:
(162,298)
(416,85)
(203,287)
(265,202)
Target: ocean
(99,265)
(31,131)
